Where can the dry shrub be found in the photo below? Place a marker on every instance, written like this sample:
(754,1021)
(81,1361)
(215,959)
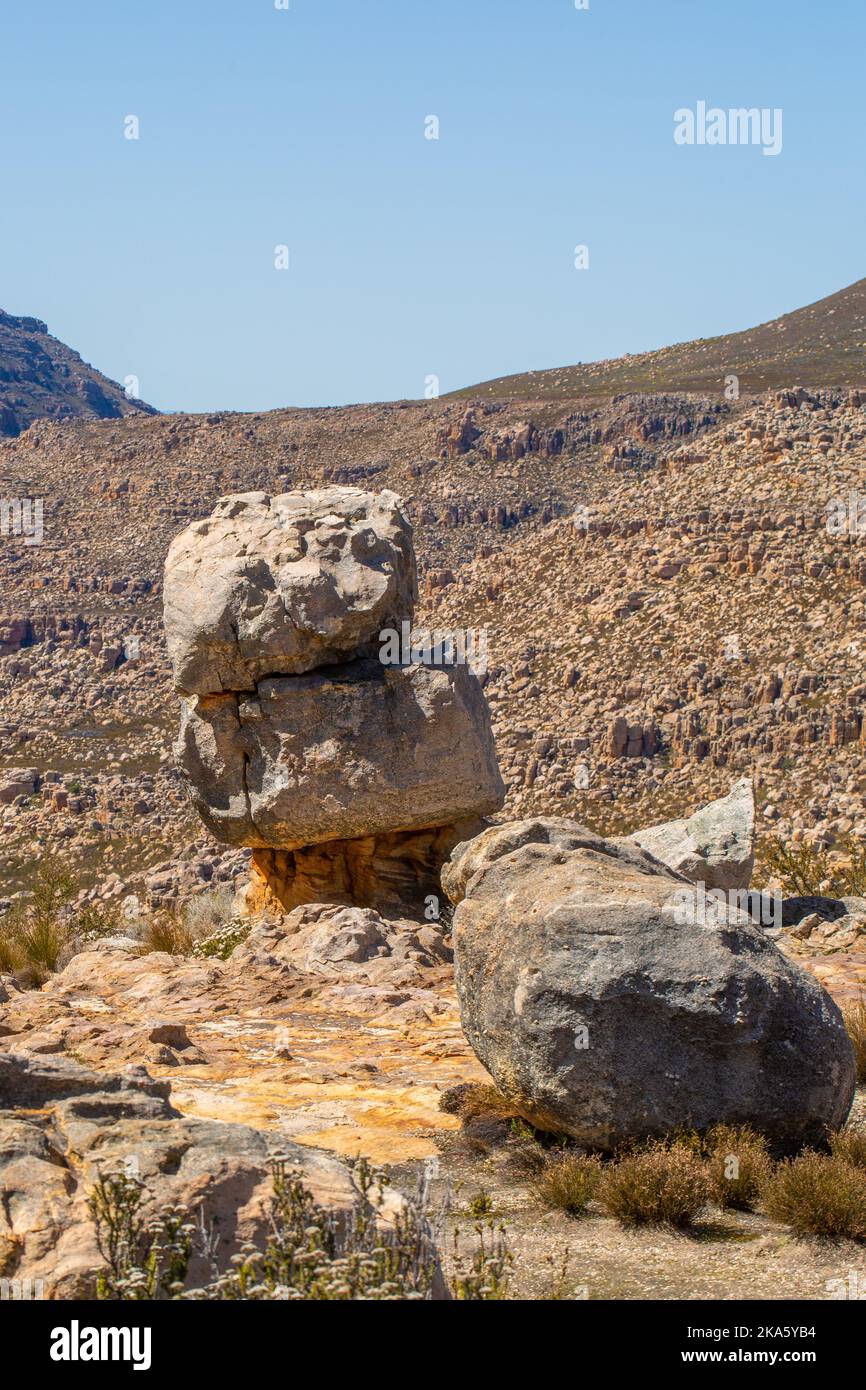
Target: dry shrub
(663,1184)
(855,1022)
(475,1100)
(166,932)
(207,912)
(569,1181)
(849,1145)
(818,1196)
(738,1165)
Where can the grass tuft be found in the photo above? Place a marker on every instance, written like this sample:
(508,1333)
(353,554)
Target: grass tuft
(855,1021)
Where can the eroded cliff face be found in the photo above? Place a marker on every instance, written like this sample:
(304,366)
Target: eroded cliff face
(352,779)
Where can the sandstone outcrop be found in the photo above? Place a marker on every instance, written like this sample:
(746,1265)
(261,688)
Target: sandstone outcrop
(381,871)
(62,1125)
(606,1010)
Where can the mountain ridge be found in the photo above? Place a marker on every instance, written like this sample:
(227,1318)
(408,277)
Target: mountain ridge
(792,349)
(43,378)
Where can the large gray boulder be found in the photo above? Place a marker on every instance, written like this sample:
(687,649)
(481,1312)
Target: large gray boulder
(607,1010)
(349,751)
(715,846)
(278,585)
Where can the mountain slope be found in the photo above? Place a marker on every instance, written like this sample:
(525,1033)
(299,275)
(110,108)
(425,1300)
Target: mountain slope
(823,344)
(40,376)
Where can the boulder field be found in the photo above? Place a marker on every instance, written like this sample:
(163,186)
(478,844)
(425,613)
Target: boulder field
(609,987)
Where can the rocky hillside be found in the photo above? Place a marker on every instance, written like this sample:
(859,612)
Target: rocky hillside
(40,376)
(667,599)
(820,345)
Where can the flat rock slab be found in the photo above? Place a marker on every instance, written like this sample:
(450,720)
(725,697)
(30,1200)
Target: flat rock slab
(63,1124)
(334,1027)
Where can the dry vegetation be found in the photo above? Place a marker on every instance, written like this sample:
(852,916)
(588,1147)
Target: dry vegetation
(679,1181)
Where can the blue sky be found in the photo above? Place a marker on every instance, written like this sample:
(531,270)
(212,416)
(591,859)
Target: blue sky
(408,257)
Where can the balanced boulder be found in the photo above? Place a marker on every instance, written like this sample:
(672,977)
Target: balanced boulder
(606,1009)
(348,751)
(300,725)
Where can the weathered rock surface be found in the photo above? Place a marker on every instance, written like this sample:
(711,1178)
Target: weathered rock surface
(279,585)
(62,1124)
(386,872)
(715,846)
(350,751)
(345,943)
(333,1026)
(606,1013)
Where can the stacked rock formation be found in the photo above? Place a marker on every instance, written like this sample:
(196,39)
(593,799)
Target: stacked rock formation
(350,779)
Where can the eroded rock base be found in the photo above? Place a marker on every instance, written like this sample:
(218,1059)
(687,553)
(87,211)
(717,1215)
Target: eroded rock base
(392,873)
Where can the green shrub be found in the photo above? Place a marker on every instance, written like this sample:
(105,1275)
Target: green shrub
(663,1184)
(145,1260)
(805,870)
(484,1276)
(738,1165)
(314,1254)
(96,920)
(569,1181)
(481,1204)
(35,931)
(220,943)
(818,1196)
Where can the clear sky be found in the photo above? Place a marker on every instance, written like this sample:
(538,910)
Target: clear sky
(411,257)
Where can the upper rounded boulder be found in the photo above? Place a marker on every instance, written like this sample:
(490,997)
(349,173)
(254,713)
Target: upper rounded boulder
(280,585)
